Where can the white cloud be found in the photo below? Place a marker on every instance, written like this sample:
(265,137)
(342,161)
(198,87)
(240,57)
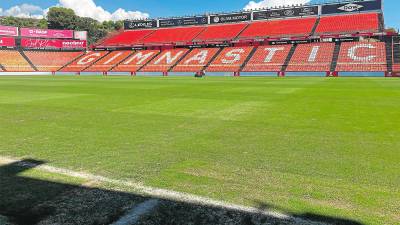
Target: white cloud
(273,3)
(84,8)
(24,10)
(88,8)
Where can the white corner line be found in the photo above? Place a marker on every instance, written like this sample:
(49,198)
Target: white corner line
(153,192)
(134,215)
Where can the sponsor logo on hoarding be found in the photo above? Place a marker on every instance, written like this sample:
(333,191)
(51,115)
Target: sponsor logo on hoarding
(31,32)
(351,7)
(216,19)
(38,31)
(72,44)
(8,31)
(52,44)
(289,12)
(141,24)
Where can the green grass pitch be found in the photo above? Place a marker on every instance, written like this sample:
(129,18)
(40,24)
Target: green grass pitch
(330,146)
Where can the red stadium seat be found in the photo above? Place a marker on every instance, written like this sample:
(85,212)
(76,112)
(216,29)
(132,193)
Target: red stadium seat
(362,57)
(127,38)
(51,61)
(196,60)
(84,61)
(173,35)
(13,61)
(165,60)
(221,32)
(279,28)
(268,59)
(230,59)
(136,61)
(107,63)
(348,24)
(312,57)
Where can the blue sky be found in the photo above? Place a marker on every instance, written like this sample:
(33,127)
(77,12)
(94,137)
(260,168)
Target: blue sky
(164,8)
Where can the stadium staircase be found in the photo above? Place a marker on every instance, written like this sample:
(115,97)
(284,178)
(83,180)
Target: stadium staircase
(79,56)
(27,59)
(396,57)
(381,23)
(248,59)
(148,62)
(335,57)
(289,57)
(389,55)
(109,36)
(123,60)
(244,28)
(315,26)
(179,60)
(95,61)
(213,58)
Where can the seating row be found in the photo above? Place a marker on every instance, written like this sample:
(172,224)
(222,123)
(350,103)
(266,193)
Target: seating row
(338,24)
(353,56)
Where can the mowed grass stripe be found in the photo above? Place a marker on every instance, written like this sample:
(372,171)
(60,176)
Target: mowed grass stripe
(322,145)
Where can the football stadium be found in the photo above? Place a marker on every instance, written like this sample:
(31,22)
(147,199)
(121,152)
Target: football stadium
(282,115)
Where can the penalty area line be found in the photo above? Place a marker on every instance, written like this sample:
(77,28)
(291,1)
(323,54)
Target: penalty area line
(157,193)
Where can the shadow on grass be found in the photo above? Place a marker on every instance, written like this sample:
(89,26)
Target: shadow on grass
(26,201)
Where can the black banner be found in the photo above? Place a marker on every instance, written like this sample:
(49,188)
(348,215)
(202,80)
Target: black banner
(283,13)
(352,7)
(285,42)
(346,39)
(341,39)
(187,21)
(229,18)
(132,25)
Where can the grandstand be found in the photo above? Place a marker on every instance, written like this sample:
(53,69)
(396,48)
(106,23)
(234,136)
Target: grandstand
(268,58)
(108,62)
(316,38)
(13,61)
(165,60)
(196,60)
(362,57)
(368,22)
(136,61)
(84,62)
(230,59)
(49,61)
(279,28)
(312,57)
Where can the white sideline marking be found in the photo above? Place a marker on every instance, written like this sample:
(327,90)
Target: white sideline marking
(156,192)
(133,215)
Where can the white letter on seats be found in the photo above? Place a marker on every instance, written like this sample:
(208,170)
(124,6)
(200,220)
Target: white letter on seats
(200,57)
(314,53)
(271,53)
(352,53)
(168,58)
(235,53)
(89,58)
(140,56)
